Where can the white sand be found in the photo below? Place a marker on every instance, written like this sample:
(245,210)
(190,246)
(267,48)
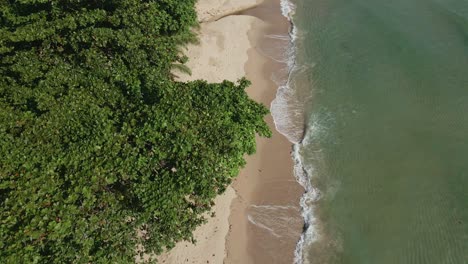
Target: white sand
(211,10)
(210,246)
(222,52)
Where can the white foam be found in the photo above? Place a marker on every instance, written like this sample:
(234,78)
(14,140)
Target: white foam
(251,220)
(278,220)
(287,110)
(288,9)
(311,195)
(278,37)
(277,52)
(275,207)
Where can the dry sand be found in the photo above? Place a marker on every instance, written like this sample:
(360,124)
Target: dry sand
(264,217)
(222,51)
(211,10)
(210,237)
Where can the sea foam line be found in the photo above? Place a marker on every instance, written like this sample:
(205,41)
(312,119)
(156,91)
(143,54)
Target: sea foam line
(251,220)
(302,174)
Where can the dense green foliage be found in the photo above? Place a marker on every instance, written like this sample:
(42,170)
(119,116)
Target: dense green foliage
(98,141)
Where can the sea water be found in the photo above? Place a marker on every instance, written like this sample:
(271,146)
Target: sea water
(382,89)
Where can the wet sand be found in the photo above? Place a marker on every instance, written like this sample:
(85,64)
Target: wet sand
(265,217)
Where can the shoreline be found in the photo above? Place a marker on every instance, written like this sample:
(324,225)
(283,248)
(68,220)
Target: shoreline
(266,221)
(258,219)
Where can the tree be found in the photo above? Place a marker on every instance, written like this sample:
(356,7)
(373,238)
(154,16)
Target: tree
(98,141)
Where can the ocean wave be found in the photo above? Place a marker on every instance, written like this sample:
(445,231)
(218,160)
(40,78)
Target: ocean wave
(288,113)
(310,196)
(288,9)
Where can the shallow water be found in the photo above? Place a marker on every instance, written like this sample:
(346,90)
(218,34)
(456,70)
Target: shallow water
(386,140)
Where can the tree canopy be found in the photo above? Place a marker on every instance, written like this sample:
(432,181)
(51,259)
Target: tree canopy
(97,140)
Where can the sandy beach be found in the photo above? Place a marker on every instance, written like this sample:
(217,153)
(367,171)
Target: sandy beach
(212,10)
(258,219)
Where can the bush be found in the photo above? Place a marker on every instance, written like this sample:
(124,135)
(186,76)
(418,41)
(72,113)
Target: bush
(98,141)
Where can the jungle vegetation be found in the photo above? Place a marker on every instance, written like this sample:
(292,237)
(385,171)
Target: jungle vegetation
(97,139)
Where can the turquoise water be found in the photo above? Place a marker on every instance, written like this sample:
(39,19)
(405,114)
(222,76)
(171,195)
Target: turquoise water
(387,129)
